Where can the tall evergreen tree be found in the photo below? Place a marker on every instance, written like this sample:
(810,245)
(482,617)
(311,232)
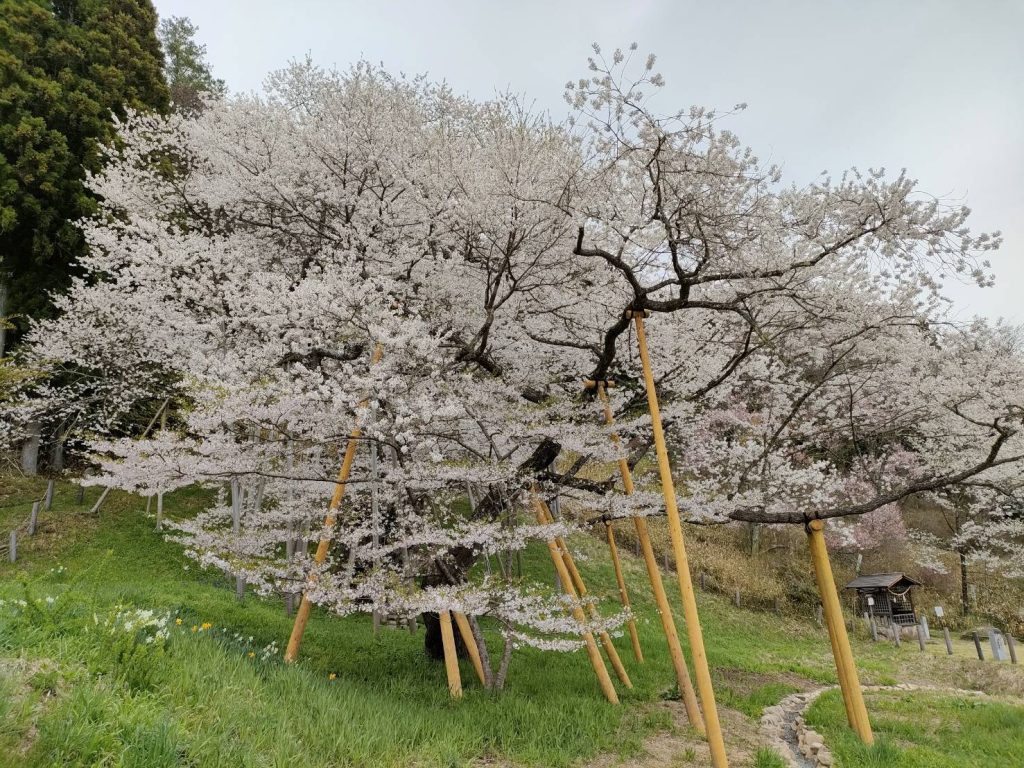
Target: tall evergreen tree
(66,68)
(187,72)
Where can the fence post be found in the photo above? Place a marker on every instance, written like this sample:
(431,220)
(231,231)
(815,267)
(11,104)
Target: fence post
(48,498)
(33,519)
(977,646)
(920,636)
(894,630)
(1011,644)
(737,598)
(12,553)
(80,498)
(949,640)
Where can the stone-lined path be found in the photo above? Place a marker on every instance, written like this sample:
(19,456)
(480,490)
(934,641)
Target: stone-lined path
(784,729)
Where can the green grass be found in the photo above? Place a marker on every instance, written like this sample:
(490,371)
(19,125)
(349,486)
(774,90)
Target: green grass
(205,702)
(768,758)
(923,729)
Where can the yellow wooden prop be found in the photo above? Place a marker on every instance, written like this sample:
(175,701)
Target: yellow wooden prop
(634,638)
(451,660)
(467,637)
(302,615)
(700,661)
(603,678)
(581,588)
(849,681)
(668,623)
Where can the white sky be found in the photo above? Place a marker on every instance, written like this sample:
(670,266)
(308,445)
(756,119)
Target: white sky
(936,86)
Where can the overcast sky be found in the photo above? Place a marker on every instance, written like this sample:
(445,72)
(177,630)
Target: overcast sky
(935,87)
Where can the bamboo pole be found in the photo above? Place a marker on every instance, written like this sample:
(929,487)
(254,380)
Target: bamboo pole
(716,743)
(668,623)
(603,678)
(474,652)
(451,659)
(634,638)
(302,615)
(581,589)
(845,665)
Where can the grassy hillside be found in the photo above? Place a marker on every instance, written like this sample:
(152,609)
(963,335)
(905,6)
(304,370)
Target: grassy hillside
(215,693)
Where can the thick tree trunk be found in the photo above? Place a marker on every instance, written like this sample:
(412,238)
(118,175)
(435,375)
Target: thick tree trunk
(432,639)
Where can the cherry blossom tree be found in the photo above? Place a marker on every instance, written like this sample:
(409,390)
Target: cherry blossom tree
(252,256)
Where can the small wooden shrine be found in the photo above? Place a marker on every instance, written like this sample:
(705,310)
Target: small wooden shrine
(888,597)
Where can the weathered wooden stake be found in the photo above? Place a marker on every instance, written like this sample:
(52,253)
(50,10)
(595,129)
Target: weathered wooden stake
(33,519)
(99,502)
(849,680)
(716,743)
(949,640)
(1011,646)
(159,510)
(737,597)
(603,678)
(80,495)
(48,497)
(12,551)
(634,638)
(451,659)
(920,637)
(894,632)
(977,645)
(302,615)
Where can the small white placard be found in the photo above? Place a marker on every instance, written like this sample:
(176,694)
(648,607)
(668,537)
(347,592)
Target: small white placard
(871,601)
(938,611)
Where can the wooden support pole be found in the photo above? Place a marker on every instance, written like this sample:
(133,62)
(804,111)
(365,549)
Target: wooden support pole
(33,519)
(977,644)
(844,680)
(948,639)
(849,681)
(159,510)
(668,624)
(581,590)
(1012,647)
(603,678)
(48,497)
(302,615)
(12,548)
(634,637)
(474,652)
(716,743)
(99,502)
(451,659)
